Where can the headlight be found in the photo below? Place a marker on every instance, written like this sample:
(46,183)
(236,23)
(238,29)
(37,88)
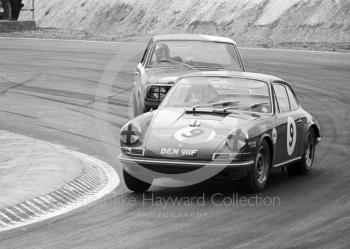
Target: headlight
(130,134)
(237,140)
(157,93)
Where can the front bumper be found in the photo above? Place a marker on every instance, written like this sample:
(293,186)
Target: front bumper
(234,169)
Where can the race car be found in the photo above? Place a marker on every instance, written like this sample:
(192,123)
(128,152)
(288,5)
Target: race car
(234,125)
(169,56)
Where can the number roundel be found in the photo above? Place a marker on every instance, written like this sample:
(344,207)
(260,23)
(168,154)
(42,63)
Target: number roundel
(194,135)
(291,136)
(192,132)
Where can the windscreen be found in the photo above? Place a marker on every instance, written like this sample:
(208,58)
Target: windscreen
(195,54)
(220,92)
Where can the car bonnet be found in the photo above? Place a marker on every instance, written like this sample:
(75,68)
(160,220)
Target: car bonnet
(177,133)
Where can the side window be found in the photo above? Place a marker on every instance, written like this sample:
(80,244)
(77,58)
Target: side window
(282,98)
(292,99)
(144,56)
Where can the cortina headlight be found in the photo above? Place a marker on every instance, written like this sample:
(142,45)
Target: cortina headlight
(130,134)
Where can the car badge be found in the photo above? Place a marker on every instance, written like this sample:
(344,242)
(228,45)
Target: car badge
(196,123)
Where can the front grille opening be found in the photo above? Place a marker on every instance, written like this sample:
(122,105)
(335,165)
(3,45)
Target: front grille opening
(157,93)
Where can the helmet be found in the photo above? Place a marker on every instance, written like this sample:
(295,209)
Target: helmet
(162,51)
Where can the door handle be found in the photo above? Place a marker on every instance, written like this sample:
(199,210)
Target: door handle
(298,121)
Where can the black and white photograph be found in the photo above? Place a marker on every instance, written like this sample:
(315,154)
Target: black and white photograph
(175,124)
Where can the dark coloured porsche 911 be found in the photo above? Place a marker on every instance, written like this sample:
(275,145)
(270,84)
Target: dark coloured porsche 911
(242,124)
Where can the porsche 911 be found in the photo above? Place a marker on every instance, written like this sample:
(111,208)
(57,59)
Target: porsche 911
(241,124)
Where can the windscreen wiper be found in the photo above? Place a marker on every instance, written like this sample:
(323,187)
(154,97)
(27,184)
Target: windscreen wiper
(225,111)
(210,68)
(176,62)
(223,103)
(254,106)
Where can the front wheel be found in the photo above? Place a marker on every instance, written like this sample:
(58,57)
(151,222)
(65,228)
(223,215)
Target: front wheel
(304,166)
(134,184)
(256,180)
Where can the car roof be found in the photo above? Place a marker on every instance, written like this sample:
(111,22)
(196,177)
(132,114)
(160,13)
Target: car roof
(192,37)
(234,74)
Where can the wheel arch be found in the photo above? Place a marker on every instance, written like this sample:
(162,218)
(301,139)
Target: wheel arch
(316,131)
(269,142)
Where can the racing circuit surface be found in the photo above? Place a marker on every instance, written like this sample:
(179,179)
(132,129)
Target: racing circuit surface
(48,89)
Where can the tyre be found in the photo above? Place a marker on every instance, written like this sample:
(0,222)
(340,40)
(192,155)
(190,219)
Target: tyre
(135,184)
(304,166)
(256,180)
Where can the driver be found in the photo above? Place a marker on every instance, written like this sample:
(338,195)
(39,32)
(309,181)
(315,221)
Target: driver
(202,94)
(162,52)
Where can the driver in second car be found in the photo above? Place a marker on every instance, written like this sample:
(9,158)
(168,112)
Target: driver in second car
(162,53)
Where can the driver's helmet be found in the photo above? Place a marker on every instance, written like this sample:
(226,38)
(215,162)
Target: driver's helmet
(203,94)
(162,51)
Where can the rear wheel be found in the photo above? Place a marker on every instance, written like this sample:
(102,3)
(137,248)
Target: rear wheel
(256,180)
(134,184)
(304,166)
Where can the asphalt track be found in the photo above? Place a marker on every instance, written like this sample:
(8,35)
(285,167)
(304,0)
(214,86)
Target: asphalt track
(47,91)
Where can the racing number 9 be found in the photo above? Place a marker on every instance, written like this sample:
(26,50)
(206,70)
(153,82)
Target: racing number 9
(291,133)
(291,136)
